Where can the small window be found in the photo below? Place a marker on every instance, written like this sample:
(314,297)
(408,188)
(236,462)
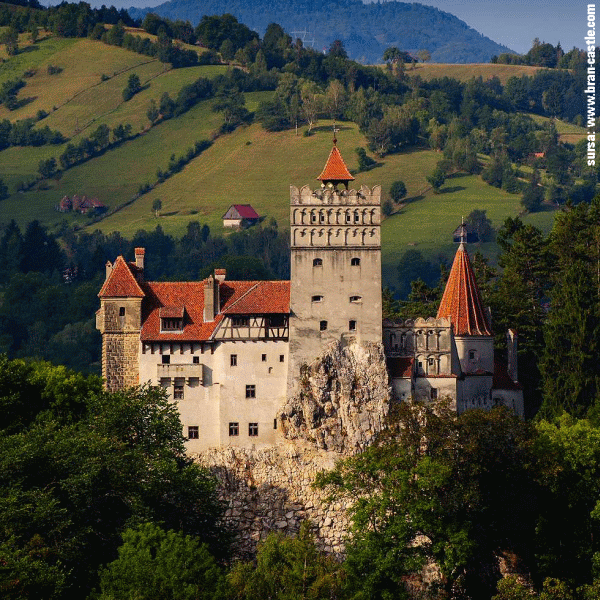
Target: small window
(356,217)
(171,324)
(274,423)
(276,320)
(121,311)
(165,382)
(317,262)
(233,360)
(250,391)
(323,325)
(194,381)
(317,298)
(352,325)
(196,360)
(234,429)
(431,362)
(434,393)
(193,433)
(252,429)
(321,218)
(240,321)
(264,358)
(313,218)
(355,262)
(355,298)
(178,391)
(348,218)
(281,358)
(166,359)
(472,355)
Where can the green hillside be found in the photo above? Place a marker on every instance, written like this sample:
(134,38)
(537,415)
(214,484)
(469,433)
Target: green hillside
(246,166)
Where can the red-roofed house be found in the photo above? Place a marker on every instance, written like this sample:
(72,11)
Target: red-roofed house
(240,215)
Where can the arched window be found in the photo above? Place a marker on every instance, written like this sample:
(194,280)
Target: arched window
(355,262)
(317,262)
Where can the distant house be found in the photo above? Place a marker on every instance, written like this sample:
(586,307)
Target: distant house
(81,204)
(240,215)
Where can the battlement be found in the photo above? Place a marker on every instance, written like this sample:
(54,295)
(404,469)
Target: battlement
(331,196)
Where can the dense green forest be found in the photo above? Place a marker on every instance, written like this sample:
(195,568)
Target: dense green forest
(365,29)
(99,501)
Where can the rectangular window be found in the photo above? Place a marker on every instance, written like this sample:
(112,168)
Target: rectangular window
(171,324)
(178,389)
(264,358)
(165,382)
(240,321)
(196,360)
(274,423)
(250,391)
(166,359)
(323,325)
(281,358)
(233,360)
(121,311)
(252,429)
(352,325)
(234,429)
(194,381)
(193,433)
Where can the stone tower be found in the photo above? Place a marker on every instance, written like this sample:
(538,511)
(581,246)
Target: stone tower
(119,320)
(335,286)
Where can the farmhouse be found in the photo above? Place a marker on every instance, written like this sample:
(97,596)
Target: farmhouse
(230,353)
(240,215)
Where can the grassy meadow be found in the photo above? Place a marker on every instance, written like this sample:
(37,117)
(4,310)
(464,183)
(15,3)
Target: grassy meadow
(248,166)
(428,71)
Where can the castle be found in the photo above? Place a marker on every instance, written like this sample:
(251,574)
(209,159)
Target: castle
(231,352)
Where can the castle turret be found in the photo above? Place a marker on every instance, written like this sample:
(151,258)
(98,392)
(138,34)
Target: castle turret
(119,320)
(461,303)
(335,265)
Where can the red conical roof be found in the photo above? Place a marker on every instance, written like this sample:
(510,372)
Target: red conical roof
(461,302)
(121,283)
(335,170)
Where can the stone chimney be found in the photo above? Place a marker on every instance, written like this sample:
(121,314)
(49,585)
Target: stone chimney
(511,347)
(139,258)
(109,269)
(209,298)
(220,275)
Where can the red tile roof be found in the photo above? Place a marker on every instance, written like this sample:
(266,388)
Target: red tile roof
(121,282)
(237,297)
(502,380)
(171,312)
(244,211)
(461,302)
(335,169)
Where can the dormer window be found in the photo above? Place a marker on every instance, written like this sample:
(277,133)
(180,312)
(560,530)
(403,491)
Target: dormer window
(317,262)
(172,319)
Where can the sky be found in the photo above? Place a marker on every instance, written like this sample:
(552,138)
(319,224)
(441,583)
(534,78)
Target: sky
(514,23)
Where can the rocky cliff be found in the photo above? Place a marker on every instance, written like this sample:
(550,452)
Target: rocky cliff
(342,404)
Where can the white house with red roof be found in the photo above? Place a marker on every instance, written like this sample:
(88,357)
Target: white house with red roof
(231,352)
(240,215)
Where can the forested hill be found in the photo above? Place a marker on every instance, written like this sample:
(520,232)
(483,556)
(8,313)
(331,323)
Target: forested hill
(365,29)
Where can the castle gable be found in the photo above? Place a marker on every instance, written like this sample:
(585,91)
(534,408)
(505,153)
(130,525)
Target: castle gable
(121,283)
(237,297)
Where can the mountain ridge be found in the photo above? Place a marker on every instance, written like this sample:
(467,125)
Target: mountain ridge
(365,29)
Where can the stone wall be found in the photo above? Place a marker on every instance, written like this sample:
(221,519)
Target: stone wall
(342,404)
(271,490)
